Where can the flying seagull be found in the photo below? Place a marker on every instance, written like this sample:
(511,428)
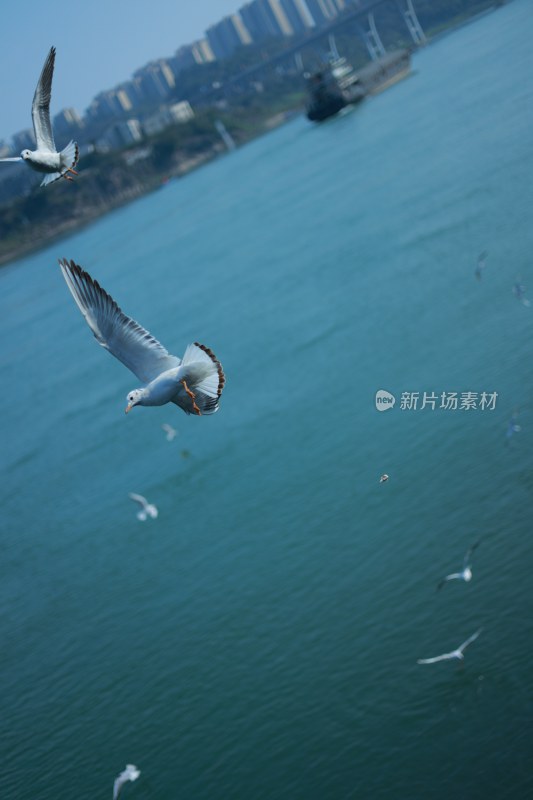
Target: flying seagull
(466,572)
(481,264)
(170,431)
(454,653)
(384,478)
(194,383)
(46,158)
(131,773)
(519,291)
(513,426)
(146,509)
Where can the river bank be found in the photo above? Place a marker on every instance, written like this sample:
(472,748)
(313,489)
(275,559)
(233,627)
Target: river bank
(110,181)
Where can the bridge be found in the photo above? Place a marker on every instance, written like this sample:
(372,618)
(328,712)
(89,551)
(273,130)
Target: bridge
(371,36)
(361,14)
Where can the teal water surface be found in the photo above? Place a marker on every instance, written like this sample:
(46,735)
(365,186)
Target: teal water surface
(260,638)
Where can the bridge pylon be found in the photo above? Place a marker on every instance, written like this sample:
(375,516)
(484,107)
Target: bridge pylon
(411,20)
(372,39)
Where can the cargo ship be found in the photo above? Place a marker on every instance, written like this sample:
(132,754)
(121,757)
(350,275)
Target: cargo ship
(338,85)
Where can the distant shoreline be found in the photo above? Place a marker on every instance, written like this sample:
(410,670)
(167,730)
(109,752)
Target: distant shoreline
(50,229)
(43,236)
(72,225)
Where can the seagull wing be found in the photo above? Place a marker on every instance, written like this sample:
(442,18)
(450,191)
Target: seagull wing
(40,108)
(170,431)
(131,773)
(469,640)
(122,336)
(443,657)
(138,498)
(453,576)
(468,554)
(117,785)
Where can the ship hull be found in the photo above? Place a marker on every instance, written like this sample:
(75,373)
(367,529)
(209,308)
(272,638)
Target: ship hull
(327,98)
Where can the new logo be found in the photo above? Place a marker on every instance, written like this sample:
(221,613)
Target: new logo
(384,400)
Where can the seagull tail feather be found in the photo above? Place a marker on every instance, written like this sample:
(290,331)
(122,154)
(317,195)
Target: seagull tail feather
(69,156)
(50,178)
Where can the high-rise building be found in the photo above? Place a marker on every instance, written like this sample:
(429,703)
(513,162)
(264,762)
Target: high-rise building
(122,99)
(130,131)
(227,35)
(67,123)
(322,11)
(298,14)
(23,140)
(156,80)
(133,91)
(265,19)
(123,133)
(202,52)
(113,103)
(199,52)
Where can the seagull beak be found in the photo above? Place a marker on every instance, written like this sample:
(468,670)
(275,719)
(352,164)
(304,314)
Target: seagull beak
(128,407)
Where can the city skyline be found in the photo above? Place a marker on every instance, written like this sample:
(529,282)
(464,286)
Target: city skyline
(153,83)
(91,56)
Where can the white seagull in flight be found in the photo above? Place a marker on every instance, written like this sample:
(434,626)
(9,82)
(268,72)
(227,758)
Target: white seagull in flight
(513,426)
(481,264)
(131,773)
(146,509)
(170,431)
(193,383)
(46,158)
(519,291)
(466,572)
(458,654)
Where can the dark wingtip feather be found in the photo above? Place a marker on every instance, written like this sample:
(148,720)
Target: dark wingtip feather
(84,276)
(214,359)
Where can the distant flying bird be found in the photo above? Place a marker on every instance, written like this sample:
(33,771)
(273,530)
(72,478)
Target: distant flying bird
(146,509)
(384,478)
(194,383)
(170,431)
(466,572)
(131,773)
(481,264)
(513,426)
(454,653)
(46,158)
(519,291)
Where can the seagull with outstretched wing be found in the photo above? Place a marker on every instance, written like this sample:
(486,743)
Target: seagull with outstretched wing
(131,773)
(146,509)
(466,572)
(513,426)
(481,264)
(519,291)
(45,158)
(193,383)
(458,654)
(170,431)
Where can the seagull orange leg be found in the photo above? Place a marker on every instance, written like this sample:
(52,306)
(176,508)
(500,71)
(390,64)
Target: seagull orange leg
(70,169)
(193,398)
